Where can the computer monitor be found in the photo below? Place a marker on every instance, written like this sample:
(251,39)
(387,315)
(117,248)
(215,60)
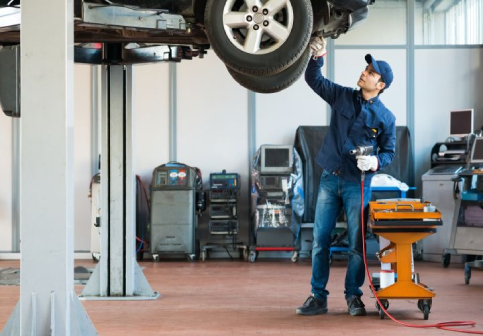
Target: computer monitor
(477,151)
(276,159)
(461,122)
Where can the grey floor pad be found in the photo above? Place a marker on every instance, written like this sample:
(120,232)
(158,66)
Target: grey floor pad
(11,276)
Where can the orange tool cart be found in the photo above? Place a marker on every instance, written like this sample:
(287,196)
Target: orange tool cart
(403,223)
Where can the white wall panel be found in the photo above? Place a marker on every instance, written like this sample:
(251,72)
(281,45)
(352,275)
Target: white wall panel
(212,129)
(279,114)
(445,80)
(151,121)
(349,65)
(82,156)
(5,182)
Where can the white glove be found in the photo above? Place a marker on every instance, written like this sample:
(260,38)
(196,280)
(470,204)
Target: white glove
(317,46)
(367,162)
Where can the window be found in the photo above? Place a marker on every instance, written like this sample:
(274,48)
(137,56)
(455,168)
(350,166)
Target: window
(450,22)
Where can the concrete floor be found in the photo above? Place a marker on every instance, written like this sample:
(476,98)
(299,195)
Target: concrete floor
(220,298)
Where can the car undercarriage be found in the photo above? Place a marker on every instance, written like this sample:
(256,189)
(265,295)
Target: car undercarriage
(256,39)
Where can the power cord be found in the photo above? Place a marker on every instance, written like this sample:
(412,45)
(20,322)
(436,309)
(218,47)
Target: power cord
(442,325)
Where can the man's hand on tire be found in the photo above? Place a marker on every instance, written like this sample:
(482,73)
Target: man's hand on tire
(317,46)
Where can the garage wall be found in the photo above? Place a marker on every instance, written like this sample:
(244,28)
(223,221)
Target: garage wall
(212,121)
(151,122)
(212,109)
(278,115)
(212,131)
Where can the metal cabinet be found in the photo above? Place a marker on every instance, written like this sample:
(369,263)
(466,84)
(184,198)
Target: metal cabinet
(438,189)
(467,230)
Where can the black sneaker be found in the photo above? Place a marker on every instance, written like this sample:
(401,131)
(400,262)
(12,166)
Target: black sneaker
(312,306)
(355,306)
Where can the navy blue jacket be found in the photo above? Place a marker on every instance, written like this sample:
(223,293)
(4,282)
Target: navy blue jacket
(354,122)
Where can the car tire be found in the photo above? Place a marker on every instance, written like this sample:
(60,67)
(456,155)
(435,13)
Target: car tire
(276,82)
(268,55)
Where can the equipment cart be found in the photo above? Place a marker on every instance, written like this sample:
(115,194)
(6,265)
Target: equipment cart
(467,230)
(277,201)
(174,211)
(224,224)
(403,223)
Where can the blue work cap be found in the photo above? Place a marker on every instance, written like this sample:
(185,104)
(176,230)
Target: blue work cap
(382,68)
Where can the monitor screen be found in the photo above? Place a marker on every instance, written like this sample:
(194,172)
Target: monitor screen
(276,159)
(477,151)
(461,122)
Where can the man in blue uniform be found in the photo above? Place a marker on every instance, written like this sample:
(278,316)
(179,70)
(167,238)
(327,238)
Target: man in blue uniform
(358,118)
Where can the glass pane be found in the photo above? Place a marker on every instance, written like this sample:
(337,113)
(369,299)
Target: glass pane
(385,25)
(449,22)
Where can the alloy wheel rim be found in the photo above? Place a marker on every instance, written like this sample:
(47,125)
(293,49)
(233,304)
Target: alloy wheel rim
(258,27)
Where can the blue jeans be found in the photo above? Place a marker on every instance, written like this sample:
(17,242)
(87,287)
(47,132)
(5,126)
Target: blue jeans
(334,196)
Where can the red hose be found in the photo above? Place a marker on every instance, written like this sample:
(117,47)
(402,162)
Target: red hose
(441,325)
(141,241)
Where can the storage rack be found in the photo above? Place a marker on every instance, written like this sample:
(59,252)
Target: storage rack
(223,224)
(467,230)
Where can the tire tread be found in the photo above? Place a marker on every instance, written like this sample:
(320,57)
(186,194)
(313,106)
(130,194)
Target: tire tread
(260,85)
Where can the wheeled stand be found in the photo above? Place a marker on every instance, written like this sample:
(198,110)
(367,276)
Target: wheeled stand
(468,266)
(205,251)
(403,223)
(253,255)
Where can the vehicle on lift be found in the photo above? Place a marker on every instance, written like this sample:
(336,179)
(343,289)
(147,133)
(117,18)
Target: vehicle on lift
(263,43)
